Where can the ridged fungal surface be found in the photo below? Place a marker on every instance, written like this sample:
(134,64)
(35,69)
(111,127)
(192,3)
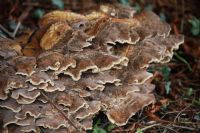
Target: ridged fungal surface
(78,65)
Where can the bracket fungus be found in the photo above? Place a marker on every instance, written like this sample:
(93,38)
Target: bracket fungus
(78,65)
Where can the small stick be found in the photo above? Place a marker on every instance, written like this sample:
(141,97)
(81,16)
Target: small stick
(183,12)
(184,127)
(6,31)
(150,126)
(181,112)
(20,19)
(60,111)
(11,34)
(16,29)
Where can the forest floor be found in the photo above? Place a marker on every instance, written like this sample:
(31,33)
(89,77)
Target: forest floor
(177,83)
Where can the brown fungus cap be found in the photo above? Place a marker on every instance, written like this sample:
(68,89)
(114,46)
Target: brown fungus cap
(8,117)
(118,11)
(24,92)
(10,104)
(78,65)
(50,60)
(13,128)
(61,16)
(120,113)
(71,100)
(79,41)
(7,48)
(53,35)
(39,78)
(25,65)
(3,84)
(52,122)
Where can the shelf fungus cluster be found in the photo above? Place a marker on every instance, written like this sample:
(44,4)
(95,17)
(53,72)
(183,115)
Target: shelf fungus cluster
(75,66)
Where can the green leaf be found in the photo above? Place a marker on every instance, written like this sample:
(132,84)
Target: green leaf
(195,29)
(125,2)
(38,13)
(168,87)
(58,3)
(196,103)
(149,7)
(190,92)
(97,129)
(184,61)
(139,130)
(137,7)
(165,72)
(111,126)
(162,17)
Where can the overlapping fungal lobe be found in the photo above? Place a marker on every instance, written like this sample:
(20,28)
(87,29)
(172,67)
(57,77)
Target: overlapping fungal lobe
(78,65)
(118,11)
(25,65)
(53,35)
(62,16)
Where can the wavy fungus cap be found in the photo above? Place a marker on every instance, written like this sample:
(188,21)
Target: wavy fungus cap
(78,65)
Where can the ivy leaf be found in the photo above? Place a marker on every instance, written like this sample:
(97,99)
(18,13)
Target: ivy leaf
(97,129)
(139,130)
(190,92)
(58,3)
(196,102)
(162,17)
(137,7)
(165,72)
(168,87)
(125,2)
(195,29)
(111,126)
(38,13)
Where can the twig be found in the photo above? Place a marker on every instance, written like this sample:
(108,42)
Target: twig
(169,128)
(191,83)
(183,12)
(150,126)
(6,31)
(181,112)
(184,127)
(60,112)
(174,112)
(132,128)
(16,29)
(20,19)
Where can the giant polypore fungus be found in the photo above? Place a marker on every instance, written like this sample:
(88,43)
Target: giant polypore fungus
(77,65)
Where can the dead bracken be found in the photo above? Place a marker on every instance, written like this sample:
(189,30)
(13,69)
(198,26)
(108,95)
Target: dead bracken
(77,65)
